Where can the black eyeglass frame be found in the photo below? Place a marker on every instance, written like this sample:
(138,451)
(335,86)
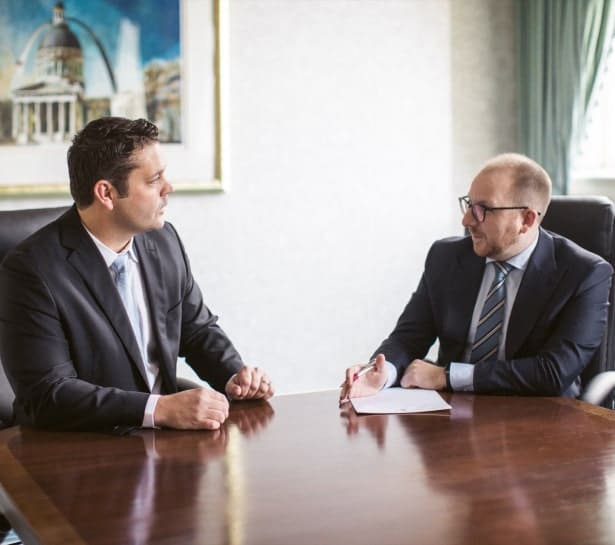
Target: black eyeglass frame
(466,204)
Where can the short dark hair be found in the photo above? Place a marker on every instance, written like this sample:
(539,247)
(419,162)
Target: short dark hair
(104,150)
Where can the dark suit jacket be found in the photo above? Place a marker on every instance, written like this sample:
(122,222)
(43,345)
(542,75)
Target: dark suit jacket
(556,323)
(66,341)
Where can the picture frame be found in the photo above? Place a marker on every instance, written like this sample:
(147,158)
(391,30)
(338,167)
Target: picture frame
(197,163)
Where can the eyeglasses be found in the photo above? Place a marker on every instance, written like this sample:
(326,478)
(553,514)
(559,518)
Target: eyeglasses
(479,211)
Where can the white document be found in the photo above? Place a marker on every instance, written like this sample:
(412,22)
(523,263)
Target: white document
(400,400)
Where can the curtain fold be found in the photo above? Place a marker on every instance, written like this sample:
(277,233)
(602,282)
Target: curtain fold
(563,46)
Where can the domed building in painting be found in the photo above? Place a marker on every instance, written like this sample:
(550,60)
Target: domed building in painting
(49,107)
(48,104)
(59,53)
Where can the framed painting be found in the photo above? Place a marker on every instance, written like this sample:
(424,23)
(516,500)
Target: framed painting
(64,63)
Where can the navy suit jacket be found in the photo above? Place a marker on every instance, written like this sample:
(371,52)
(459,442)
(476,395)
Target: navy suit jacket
(556,323)
(66,341)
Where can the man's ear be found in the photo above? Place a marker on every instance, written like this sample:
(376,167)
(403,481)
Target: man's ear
(104,193)
(530,219)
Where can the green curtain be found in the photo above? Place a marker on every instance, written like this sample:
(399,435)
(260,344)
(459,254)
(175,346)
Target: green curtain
(562,49)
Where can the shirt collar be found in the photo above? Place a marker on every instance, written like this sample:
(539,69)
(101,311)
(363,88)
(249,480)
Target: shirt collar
(520,260)
(108,254)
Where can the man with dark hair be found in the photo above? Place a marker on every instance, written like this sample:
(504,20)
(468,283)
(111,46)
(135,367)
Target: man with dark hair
(96,307)
(516,309)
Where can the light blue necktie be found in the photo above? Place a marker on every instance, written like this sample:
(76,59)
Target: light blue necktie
(489,327)
(121,277)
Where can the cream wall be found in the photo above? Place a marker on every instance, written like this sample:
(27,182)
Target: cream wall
(353,127)
(484,84)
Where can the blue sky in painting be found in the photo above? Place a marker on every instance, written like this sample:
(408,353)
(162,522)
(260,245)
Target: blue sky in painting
(157,22)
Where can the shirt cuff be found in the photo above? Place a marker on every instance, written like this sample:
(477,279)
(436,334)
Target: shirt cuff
(391,375)
(461,376)
(150,407)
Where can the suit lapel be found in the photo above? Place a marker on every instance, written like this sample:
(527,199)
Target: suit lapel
(537,285)
(87,261)
(464,290)
(155,295)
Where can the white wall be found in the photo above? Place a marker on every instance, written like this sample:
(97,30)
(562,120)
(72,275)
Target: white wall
(484,84)
(348,147)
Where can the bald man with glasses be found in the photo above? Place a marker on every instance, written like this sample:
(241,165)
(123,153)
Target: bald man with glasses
(516,309)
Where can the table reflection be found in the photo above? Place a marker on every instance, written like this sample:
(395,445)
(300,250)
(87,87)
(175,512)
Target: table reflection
(251,417)
(375,424)
(136,480)
(481,458)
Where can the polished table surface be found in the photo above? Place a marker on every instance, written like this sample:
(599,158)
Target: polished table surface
(299,470)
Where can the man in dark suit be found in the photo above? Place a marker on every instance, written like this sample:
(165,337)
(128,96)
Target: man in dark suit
(96,307)
(516,309)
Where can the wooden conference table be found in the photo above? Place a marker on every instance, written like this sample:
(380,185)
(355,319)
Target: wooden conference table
(299,470)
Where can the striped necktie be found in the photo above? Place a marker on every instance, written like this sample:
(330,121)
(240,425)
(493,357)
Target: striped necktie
(489,327)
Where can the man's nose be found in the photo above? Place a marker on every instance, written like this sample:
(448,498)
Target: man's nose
(468,218)
(167,188)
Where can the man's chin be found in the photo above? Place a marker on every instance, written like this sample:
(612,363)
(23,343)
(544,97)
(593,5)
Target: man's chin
(480,248)
(157,223)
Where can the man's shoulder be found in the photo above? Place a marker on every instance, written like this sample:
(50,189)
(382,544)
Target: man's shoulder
(455,242)
(450,247)
(40,241)
(165,236)
(566,250)
(556,252)
(449,253)
(163,244)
